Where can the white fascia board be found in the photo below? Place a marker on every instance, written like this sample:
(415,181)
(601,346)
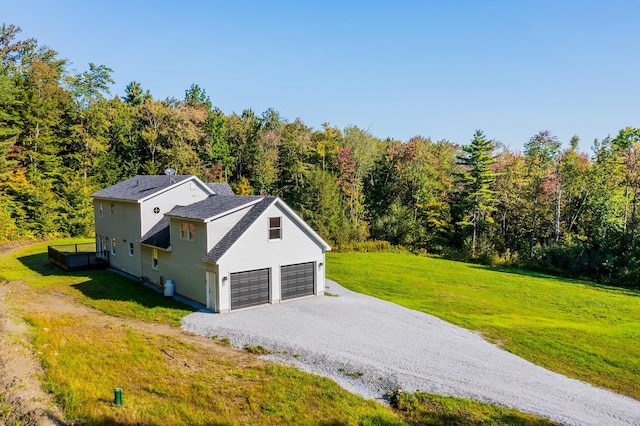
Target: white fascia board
(170,248)
(168,188)
(115,199)
(174,216)
(304,224)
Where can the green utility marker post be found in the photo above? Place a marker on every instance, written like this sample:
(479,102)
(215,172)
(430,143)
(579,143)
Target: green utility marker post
(117,396)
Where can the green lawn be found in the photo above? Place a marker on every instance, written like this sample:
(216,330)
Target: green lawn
(167,381)
(101,289)
(572,327)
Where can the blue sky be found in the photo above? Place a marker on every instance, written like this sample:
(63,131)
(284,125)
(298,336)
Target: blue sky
(439,69)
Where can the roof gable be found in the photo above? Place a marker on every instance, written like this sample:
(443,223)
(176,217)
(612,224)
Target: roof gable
(216,253)
(141,187)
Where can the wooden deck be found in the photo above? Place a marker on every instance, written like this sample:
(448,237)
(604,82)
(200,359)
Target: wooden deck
(77,257)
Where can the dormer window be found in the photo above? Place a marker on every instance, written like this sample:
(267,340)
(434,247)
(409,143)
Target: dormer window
(188,231)
(275,228)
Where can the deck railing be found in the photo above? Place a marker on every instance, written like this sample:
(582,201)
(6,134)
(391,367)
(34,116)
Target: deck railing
(76,257)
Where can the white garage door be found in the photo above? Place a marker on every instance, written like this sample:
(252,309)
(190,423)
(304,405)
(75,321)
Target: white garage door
(297,280)
(249,288)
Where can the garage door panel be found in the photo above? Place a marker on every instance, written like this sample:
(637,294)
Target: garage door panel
(297,280)
(249,288)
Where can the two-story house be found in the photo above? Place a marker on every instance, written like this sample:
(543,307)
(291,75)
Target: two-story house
(222,250)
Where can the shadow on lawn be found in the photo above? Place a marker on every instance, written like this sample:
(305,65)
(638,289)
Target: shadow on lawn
(534,274)
(105,285)
(39,263)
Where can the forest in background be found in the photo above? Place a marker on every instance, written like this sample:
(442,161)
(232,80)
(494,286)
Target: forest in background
(550,207)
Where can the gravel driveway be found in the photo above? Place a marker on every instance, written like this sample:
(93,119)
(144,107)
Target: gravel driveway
(370,346)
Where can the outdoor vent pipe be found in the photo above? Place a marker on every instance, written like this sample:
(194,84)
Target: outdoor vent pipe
(117,399)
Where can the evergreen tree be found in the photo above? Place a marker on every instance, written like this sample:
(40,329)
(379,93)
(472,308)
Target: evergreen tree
(476,180)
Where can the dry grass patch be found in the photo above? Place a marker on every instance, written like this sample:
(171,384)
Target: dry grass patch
(167,381)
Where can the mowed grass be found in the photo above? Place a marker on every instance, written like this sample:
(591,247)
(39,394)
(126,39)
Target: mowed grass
(168,381)
(572,327)
(101,289)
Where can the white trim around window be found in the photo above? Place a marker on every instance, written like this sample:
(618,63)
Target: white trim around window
(275,228)
(154,260)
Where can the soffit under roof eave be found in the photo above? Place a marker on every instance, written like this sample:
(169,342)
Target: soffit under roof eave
(170,248)
(122,200)
(175,216)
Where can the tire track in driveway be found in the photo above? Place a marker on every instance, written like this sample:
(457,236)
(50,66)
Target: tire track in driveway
(369,346)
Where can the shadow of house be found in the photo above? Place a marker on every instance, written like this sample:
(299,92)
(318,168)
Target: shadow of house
(105,285)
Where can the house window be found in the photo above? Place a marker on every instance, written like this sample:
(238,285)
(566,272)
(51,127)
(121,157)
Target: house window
(103,246)
(275,228)
(154,260)
(188,231)
(100,211)
(113,246)
(113,209)
(131,249)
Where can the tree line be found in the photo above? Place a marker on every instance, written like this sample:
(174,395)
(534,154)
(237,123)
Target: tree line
(64,136)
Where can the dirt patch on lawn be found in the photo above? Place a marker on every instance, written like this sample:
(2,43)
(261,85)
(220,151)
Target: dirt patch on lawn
(22,399)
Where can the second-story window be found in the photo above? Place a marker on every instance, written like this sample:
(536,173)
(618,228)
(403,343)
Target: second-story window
(188,231)
(275,228)
(100,211)
(113,209)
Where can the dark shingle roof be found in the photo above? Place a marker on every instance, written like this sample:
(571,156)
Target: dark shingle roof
(211,206)
(221,188)
(139,187)
(236,232)
(159,235)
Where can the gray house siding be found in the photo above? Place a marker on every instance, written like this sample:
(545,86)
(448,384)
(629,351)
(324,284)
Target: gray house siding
(124,226)
(183,264)
(254,250)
